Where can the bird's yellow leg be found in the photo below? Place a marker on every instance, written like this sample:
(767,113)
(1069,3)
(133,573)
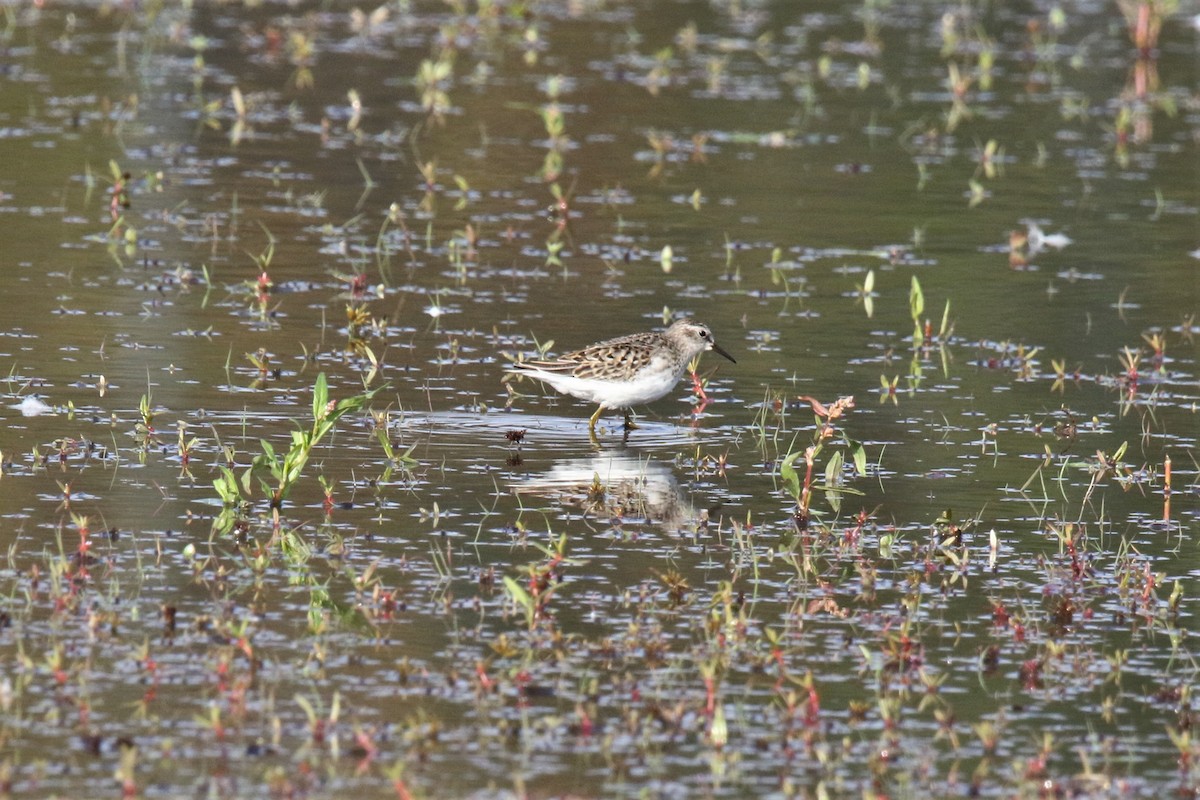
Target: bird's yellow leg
(592,421)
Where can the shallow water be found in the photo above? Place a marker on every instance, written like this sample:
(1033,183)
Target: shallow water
(993,604)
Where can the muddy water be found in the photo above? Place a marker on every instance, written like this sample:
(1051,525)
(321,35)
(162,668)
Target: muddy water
(189,195)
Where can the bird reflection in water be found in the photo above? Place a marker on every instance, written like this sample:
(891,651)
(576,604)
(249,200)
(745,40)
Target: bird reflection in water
(620,488)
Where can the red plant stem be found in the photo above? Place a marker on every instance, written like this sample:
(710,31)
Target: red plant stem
(1141,35)
(806,495)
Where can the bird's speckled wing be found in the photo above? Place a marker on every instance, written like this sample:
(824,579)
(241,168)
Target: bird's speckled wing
(623,355)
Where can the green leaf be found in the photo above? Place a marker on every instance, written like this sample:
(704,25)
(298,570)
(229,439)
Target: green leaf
(320,397)
(386,442)
(247,477)
(833,470)
(719,730)
(916,300)
(788,474)
(225,521)
(833,481)
(227,487)
(518,594)
(860,458)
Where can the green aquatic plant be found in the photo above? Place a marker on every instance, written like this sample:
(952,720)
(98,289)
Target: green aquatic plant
(834,486)
(865,293)
(186,446)
(235,508)
(923,337)
(432,80)
(145,426)
(395,458)
(541,579)
(278,473)
(261,287)
(552,165)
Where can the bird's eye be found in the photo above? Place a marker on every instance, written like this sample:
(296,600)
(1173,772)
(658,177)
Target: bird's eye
(703,334)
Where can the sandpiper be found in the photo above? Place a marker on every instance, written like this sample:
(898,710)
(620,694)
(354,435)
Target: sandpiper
(626,371)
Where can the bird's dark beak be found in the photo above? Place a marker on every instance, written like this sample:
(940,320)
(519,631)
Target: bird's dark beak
(721,350)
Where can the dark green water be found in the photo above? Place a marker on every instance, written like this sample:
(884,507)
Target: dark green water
(784,152)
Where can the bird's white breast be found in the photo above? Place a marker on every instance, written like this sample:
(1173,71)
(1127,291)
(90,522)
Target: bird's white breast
(645,386)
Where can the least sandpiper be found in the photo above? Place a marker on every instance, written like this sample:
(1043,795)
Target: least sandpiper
(626,371)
